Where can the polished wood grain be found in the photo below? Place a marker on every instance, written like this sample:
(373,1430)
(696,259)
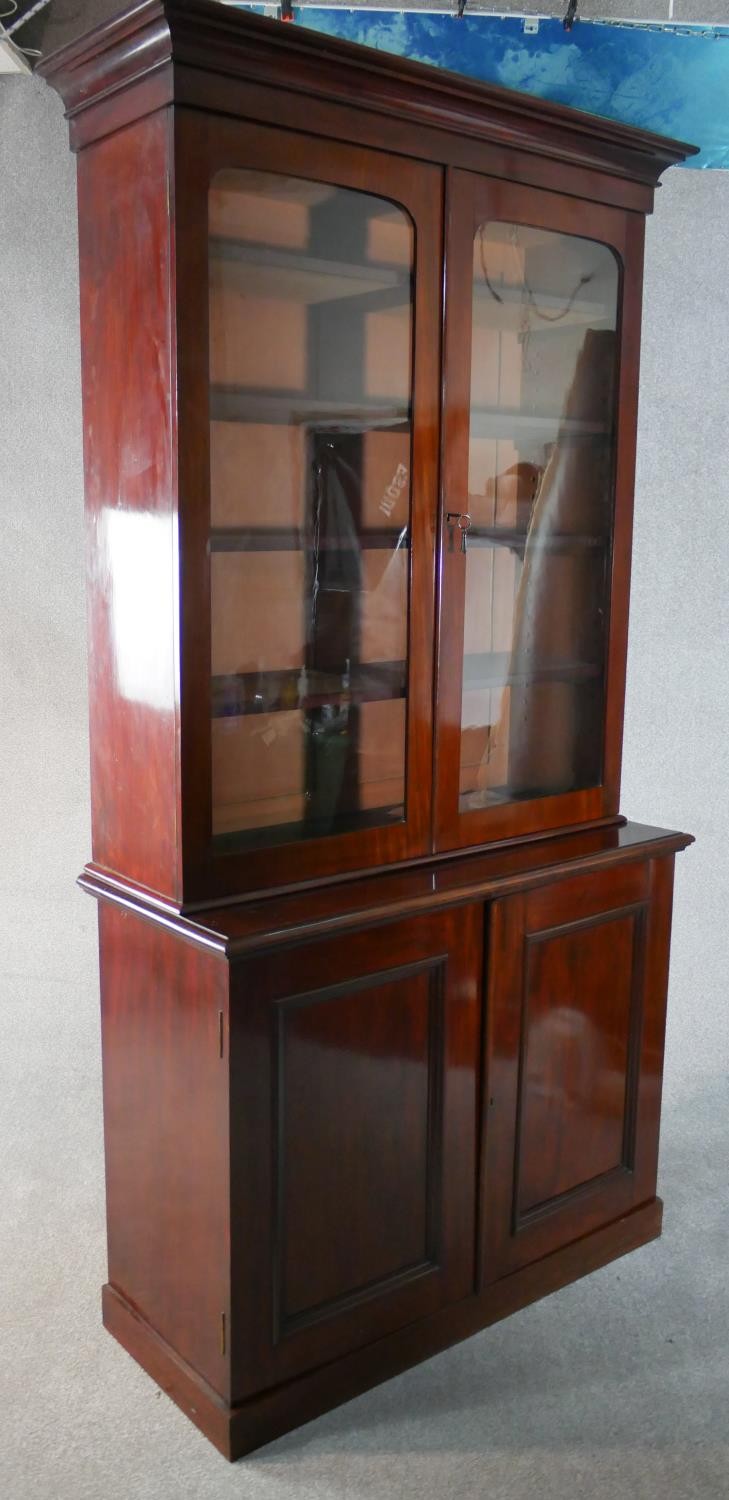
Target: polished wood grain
(577,998)
(578,1058)
(346,905)
(164,1018)
(382,1030)
(363,1095)
(239,1430)
(128,361)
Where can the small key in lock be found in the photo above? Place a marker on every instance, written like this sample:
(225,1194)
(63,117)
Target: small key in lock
(463,521)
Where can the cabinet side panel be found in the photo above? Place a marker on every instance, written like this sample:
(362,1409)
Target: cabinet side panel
(128,394)
(166,1129)
(650,1082)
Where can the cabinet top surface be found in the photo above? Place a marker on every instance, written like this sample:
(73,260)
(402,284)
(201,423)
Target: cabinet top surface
(282,919)
(145,39)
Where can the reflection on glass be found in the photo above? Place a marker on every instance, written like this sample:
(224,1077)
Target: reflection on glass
(310,412)
(540,498)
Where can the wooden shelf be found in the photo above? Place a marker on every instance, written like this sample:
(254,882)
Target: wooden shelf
(499,796)
(515,538)
(293,275)
(243,693)
(510,422)
(275,834)
(291,539)
(230,403)
(507,313)
(495,669)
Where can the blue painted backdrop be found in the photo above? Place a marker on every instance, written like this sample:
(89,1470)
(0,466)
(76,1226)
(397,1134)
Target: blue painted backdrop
(676,83)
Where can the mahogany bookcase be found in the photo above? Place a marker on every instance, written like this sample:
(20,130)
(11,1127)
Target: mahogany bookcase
(383,969)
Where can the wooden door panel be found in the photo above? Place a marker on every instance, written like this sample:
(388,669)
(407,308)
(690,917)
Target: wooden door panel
(354,1081)
(576,1012)
(576,1041)
(328,1044)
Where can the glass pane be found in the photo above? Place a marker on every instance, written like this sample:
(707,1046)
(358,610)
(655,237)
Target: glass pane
(540,498)
(310,431)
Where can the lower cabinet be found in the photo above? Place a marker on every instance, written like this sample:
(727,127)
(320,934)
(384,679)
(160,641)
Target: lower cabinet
(327,1159)
(412,1118)
(355,1070)
(575,1018)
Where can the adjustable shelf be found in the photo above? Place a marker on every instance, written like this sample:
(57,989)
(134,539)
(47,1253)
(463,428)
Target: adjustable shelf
(515,538)
(494,669)
(511,422)
(242,693)
(230,403)
(291,539)
(276,834)
(503,307)
(500,796)
(296,276)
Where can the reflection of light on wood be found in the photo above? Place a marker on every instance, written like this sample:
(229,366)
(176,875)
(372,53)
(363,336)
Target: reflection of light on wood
(139,553)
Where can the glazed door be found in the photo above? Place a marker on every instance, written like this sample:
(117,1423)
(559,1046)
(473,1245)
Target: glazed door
(354,1083)
(574,1059)
(310,316)
(542,324)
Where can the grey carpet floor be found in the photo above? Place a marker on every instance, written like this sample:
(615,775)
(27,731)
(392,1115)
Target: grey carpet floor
(618,1386)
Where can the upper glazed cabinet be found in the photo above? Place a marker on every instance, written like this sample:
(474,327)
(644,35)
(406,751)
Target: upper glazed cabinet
(360,489)
(321,410)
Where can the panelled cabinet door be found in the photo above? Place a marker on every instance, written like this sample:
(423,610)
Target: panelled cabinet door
(308,282)
(542,323)
(354,1068)
(575,1030)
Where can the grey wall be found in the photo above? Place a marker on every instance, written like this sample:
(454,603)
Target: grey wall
(51,1164)
(676,764)
(676,773)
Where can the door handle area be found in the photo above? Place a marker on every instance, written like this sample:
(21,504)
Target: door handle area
(460,519)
